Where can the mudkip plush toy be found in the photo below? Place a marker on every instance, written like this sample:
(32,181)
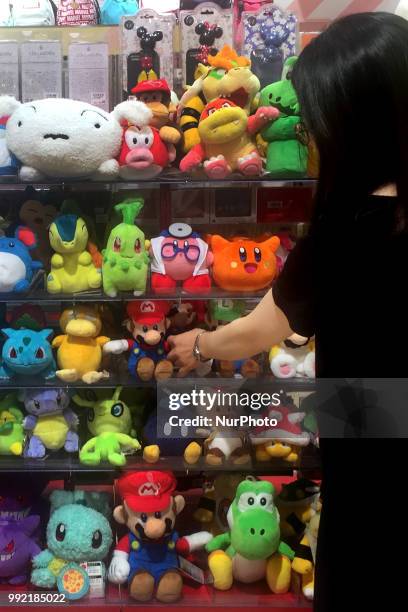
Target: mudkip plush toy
(27,353)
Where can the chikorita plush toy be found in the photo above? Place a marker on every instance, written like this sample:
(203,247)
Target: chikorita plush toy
(28,353)
(17,548)
(72,268)
(125,260)
(244,265)
(16,265)
(59,138)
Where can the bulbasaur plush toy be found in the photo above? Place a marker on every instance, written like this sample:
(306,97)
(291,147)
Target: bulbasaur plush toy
(28,353)
(252,550)
(286,155)
(50,423)
(72,268)
(125,259)
(16,266)
(76,533)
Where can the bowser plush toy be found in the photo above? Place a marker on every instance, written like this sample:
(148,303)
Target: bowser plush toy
(147,557)
(147,323)
(179,255)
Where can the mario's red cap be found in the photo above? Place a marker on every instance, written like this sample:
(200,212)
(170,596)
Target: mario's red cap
(150,86)
(147,491)
(148,312)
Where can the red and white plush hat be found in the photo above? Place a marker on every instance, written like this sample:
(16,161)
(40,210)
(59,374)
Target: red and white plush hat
(288,429)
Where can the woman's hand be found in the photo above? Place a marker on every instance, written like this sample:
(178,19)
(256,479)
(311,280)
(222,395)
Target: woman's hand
(181,353)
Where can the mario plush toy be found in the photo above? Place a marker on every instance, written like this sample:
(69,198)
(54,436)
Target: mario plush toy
(147,557)
(147,323)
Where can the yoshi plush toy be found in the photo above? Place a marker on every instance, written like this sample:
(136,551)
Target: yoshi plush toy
(286,156)
(252,549)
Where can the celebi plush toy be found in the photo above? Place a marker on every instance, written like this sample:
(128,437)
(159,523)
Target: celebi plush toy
(62,138)
(72,267)
(125,259)
(76,533)
(241,264)
(180,256)
(286,155)
(156,94)
(294,357)
(226,143)
(11,426)
(147,557)
(50,423)
(252,549)
(16,265)
(17,549)
(110,423)
(79,353)
(27,353)
(144,152)
(148,348)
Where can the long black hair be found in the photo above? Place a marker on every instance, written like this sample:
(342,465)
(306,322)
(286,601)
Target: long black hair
(352,85)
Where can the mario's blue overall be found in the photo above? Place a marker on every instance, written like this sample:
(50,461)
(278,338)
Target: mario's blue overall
(138,350)
(153,557)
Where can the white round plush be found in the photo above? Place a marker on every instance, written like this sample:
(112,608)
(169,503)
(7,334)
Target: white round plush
(63,138)
(12,270)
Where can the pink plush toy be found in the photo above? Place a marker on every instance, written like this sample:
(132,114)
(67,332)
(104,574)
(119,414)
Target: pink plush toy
(179,255)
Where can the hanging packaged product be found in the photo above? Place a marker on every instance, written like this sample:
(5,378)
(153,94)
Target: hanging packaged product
(204,31)
(30,13)
(147,48)
(270,37)
(248,6)
(9,82)
(41,70)
(89,73)
(166,6)
(113,10)
(78,12)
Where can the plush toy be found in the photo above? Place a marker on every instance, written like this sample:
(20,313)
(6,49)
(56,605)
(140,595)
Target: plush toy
(219,449)
(253,548)
(227,76)
(16,266)
(179,255)
(148,349)
(146,557)
(79,353)
(225,140)
(185,315)
(295,357)
(17,549)
(38,217)
(50,423)
(241,264)
(27,316)
(125,260)
(61,138)
(11,426)
(27,353)
(72,268)
(286,155)
(305,557)
(156,95)
(144,152)
(76,533)
(297,503)
(110,422)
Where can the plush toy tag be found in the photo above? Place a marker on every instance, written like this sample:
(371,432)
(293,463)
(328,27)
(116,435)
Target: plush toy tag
(193,571)
(94,569)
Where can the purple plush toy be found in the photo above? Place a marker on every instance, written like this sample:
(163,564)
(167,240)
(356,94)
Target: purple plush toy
(17,548)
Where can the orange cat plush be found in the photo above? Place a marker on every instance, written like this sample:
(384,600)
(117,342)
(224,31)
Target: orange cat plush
(242,264)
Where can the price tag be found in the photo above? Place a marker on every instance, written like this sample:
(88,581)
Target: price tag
(41,70)
(89,73)
(9,69)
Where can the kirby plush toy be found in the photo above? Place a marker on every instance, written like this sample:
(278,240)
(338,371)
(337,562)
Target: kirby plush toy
(179,255)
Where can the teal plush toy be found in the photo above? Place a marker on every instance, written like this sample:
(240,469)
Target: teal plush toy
(76,533)
(110,422)
(125,259)
(286,155)
(28,353)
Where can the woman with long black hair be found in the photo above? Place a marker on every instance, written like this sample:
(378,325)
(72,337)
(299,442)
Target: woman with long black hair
(345,283)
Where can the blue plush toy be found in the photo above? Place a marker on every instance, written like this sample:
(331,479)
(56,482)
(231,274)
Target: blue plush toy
(16,265)
(76,533)
(27,352)
(51,423)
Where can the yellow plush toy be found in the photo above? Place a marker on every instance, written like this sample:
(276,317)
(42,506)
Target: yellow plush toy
(305,556)
(79,352)
(72,267)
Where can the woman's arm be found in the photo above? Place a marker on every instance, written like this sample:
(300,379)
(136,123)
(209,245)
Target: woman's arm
(264,326)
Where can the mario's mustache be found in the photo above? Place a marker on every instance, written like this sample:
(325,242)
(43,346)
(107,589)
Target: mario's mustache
(141,532)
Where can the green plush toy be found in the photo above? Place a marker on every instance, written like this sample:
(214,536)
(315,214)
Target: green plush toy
(286,155)
(110,422)
(125,259)
(11,426)
(252,549)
